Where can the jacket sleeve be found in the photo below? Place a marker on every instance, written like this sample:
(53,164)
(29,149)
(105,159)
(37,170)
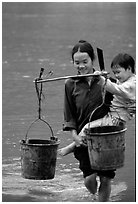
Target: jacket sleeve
(126,90)
(69,107)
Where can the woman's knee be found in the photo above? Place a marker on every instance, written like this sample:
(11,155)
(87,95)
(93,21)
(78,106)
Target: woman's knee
(104,189)
(91,183)
(105,184)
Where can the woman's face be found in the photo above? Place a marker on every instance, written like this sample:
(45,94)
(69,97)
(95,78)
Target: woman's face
(83,63)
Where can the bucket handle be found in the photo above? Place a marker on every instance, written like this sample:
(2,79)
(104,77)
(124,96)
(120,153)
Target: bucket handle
(103,100)
(39,95)
(52,137)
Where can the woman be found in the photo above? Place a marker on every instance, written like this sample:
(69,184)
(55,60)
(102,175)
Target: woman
(82,96)
(123,106)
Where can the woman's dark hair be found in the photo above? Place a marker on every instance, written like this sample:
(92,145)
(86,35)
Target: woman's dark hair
(124,60)
(83,46)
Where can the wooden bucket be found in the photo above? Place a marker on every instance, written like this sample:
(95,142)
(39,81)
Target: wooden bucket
(38,158)
(106,147)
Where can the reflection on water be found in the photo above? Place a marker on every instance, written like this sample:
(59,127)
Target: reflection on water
(39,35)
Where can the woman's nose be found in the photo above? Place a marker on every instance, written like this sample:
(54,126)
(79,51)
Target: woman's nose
(81,66)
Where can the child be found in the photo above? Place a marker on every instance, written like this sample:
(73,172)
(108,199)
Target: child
(124,102)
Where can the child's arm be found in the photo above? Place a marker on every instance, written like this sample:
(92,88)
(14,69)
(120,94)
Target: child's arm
(126,89)
(67,150)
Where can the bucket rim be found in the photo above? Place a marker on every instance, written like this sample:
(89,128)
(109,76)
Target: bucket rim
(103,134)
(23,142)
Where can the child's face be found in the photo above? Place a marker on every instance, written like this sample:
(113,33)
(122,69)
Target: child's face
(121,73)
(83,63)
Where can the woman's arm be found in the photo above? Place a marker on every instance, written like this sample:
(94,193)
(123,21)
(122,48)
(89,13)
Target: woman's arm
(78,139)
(69,107)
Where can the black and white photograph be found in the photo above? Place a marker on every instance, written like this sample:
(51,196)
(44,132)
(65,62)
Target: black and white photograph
(68,101)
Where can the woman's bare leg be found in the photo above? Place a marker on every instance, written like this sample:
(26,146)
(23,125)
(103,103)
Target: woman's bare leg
(104,189)
(91,183)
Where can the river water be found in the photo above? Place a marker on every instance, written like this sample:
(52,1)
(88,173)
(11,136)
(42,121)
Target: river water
(39,35)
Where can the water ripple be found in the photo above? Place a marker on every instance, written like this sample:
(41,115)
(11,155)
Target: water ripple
(66,186)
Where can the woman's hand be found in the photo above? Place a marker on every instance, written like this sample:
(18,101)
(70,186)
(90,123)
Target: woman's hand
(78,139)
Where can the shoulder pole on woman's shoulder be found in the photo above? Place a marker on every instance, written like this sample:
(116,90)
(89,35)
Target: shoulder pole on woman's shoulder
(67,77)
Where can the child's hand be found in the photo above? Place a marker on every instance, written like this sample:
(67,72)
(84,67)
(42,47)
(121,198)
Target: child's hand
(98,73)
(101,73)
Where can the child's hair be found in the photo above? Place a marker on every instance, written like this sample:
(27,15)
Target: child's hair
(83,46)
(124,60)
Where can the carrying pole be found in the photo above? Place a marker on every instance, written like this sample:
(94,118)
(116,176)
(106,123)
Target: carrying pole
(67,77)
